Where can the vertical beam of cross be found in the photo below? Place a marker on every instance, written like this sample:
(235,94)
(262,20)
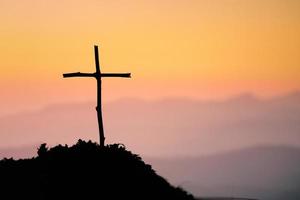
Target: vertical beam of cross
(98,76)
(99,98)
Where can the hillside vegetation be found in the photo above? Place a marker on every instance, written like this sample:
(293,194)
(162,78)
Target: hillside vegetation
(84,171)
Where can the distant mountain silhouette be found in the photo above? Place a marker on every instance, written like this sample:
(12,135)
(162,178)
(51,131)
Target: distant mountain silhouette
(84,171)
(261,172)
(187,127)
(19,152)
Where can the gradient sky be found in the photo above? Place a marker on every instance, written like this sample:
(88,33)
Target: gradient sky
(207,49)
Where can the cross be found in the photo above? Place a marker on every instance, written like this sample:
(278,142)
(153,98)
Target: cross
(98,76)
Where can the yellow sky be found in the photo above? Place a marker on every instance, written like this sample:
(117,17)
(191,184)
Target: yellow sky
(185,48)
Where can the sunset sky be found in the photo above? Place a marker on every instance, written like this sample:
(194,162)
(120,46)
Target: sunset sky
(202,49)
(212,79)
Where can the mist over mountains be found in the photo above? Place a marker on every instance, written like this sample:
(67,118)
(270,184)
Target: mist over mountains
(163,128)
(242,147)
(262,172)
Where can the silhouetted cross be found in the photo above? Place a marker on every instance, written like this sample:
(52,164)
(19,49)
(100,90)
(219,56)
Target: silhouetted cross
(98,75)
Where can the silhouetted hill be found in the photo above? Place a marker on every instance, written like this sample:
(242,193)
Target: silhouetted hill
(84,171)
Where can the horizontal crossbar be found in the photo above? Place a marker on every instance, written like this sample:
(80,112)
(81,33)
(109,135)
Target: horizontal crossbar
(79,74)
(123,75)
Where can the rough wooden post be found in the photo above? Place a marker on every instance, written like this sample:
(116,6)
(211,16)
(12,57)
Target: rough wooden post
(99,98)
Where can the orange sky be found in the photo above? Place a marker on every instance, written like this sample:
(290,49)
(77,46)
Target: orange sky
(184,48)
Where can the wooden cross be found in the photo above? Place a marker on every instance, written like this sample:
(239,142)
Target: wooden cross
(98,76)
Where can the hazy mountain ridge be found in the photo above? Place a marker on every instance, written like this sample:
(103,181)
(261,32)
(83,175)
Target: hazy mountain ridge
(18,152)
(208,126)
(262,172)
(184,128)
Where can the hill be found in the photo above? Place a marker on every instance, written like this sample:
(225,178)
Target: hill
(262,172)
(84,171)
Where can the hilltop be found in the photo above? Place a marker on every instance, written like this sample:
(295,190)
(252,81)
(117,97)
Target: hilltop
(84,171)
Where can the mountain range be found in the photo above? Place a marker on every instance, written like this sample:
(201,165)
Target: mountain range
(169,127)
(240,147)
(262,172)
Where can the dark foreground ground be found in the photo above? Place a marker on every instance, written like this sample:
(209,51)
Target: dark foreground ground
(223,198)
(84,171)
